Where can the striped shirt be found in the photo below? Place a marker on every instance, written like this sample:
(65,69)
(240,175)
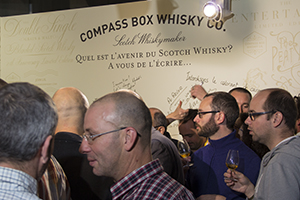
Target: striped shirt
(54,184)
(149,182)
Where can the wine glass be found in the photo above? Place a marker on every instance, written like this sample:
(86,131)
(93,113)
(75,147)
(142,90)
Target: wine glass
(184,150)
(232,159)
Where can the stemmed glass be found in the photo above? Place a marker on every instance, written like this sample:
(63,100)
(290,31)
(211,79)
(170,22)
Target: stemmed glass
(232,159)
(184,150)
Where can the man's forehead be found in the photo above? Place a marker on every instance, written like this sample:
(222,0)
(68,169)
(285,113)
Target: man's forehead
(101,109)
(259,99)
(206,102)
(101,113)
(240,96)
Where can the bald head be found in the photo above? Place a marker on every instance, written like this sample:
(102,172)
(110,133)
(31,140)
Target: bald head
(71,106)
(128,110)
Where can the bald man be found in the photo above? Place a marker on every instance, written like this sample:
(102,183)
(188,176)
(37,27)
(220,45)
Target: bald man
(117,141)
(71,106)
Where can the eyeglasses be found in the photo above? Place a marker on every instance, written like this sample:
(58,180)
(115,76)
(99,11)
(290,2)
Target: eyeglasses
(253,115)
(91,138)
(201,113)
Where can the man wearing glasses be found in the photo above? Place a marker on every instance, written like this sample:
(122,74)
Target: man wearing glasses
(117,143)
(271,121)
(216,117)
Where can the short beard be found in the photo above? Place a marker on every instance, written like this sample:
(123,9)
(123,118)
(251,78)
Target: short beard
(209,129)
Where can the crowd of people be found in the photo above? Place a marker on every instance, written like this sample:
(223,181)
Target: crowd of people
(62,148)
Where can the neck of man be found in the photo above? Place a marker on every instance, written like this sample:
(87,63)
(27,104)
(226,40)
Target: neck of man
(221,133)
(279,137)
(136,160)
(28,167)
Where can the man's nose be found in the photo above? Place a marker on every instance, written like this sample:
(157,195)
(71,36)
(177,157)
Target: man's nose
(84,147)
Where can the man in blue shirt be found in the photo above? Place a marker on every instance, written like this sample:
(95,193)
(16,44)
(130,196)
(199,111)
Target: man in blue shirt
(216,117)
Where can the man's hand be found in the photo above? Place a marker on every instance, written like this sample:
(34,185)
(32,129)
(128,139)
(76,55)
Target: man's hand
(239,182)
(198,92)
(178,113)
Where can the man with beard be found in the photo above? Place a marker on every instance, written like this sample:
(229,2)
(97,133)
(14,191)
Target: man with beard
(216,117)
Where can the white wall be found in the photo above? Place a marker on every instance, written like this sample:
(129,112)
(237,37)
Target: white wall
(257,48)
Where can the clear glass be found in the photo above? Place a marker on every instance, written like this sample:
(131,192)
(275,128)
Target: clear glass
(184,149)
(232,159)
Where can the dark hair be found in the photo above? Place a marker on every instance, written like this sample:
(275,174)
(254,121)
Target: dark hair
(226,103)
(27,117)
(242,90)
(159,119)
(282,101)
(192,113)
(2,83)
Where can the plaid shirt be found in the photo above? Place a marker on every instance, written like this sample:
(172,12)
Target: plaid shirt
(17,185)
(149,182)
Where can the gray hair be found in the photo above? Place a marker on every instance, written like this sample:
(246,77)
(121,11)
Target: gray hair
(27,117)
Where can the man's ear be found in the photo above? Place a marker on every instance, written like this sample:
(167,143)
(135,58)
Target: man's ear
(277,119)
(46,150)
(220,117)
(161,129)
(130,138)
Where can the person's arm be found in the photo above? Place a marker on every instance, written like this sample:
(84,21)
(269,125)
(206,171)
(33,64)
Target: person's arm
(198,92)
(178,114)
(239,182)
(158,150)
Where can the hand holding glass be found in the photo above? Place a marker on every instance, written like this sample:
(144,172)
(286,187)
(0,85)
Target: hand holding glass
(232,159)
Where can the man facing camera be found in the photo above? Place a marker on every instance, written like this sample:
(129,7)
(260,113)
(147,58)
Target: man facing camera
(117,143)
(27,122)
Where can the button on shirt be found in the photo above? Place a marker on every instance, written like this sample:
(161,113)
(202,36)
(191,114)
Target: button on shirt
(17,185)
(149,182)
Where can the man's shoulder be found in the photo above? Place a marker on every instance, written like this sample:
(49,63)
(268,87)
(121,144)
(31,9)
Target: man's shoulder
(157,137)
(290,150)
(15,184)
(17,195)
(162,186)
